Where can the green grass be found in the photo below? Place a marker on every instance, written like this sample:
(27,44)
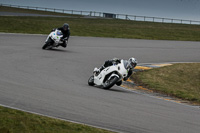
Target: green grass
(179,80)
(102,28)
(97,27)
(32,11)
(14,121)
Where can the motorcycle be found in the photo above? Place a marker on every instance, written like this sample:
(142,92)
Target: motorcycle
(108,77)
(54,40)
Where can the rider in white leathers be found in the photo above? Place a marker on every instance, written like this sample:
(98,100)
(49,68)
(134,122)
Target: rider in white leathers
(129,64)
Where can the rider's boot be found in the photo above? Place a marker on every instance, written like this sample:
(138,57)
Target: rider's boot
(64,45)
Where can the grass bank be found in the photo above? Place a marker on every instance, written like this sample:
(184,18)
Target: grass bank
(102,28)
(31,11)
(179,80)
(14,121)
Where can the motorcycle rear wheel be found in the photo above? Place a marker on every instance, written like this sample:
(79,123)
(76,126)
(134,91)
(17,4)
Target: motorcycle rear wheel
(110,83)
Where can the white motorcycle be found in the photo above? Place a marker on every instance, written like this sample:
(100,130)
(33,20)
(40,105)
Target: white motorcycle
(53,40)
(109,76)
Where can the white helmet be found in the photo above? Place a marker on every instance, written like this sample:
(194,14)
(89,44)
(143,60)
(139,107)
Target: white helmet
(132,62)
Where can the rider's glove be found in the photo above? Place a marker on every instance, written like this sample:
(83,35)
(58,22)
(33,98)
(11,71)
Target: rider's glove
(96,71)
(64,39)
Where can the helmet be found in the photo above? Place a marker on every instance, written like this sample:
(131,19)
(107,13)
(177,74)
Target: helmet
(65,26)
(132,62)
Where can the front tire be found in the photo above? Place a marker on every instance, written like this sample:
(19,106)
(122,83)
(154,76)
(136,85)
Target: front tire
(110,83)
(48,43)
(91,81)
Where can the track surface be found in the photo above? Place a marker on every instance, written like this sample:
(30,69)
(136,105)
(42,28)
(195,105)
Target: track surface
(54,82)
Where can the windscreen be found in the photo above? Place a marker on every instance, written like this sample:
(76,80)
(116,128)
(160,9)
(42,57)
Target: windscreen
(59,33)
(126,64)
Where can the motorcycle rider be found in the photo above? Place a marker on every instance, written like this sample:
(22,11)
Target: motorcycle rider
(129,64)
(66,33)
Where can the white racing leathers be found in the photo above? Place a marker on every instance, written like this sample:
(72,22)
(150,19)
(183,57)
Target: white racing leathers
(109,76)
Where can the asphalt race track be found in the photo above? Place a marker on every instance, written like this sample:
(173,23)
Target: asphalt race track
(54,83)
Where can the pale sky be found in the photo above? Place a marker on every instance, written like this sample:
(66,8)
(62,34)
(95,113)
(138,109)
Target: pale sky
(180,9)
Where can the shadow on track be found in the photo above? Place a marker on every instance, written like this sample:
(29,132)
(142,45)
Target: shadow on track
(61,50)
(57,50)
(119,90)
(114,89)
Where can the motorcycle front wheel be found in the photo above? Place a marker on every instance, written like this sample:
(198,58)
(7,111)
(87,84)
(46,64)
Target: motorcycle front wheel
(47,44)
(91,81)
(111,82)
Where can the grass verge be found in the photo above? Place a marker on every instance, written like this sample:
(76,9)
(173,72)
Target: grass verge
(15,121)
(32,11)
(114,28)
(98,27)
(179,80)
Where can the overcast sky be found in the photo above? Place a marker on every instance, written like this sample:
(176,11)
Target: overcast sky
(180,9)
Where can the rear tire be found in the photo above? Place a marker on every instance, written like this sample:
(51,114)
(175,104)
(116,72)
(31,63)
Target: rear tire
(110,83)
(91,81)
(119,83)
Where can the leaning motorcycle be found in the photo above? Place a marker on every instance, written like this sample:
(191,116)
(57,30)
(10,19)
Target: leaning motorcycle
(54,40)
(108,77)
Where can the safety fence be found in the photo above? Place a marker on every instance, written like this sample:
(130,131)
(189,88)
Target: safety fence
(114,16)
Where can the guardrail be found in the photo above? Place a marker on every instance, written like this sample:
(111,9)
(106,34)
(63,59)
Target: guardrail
(101,14)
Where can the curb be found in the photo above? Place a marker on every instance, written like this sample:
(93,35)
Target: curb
(129,84)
